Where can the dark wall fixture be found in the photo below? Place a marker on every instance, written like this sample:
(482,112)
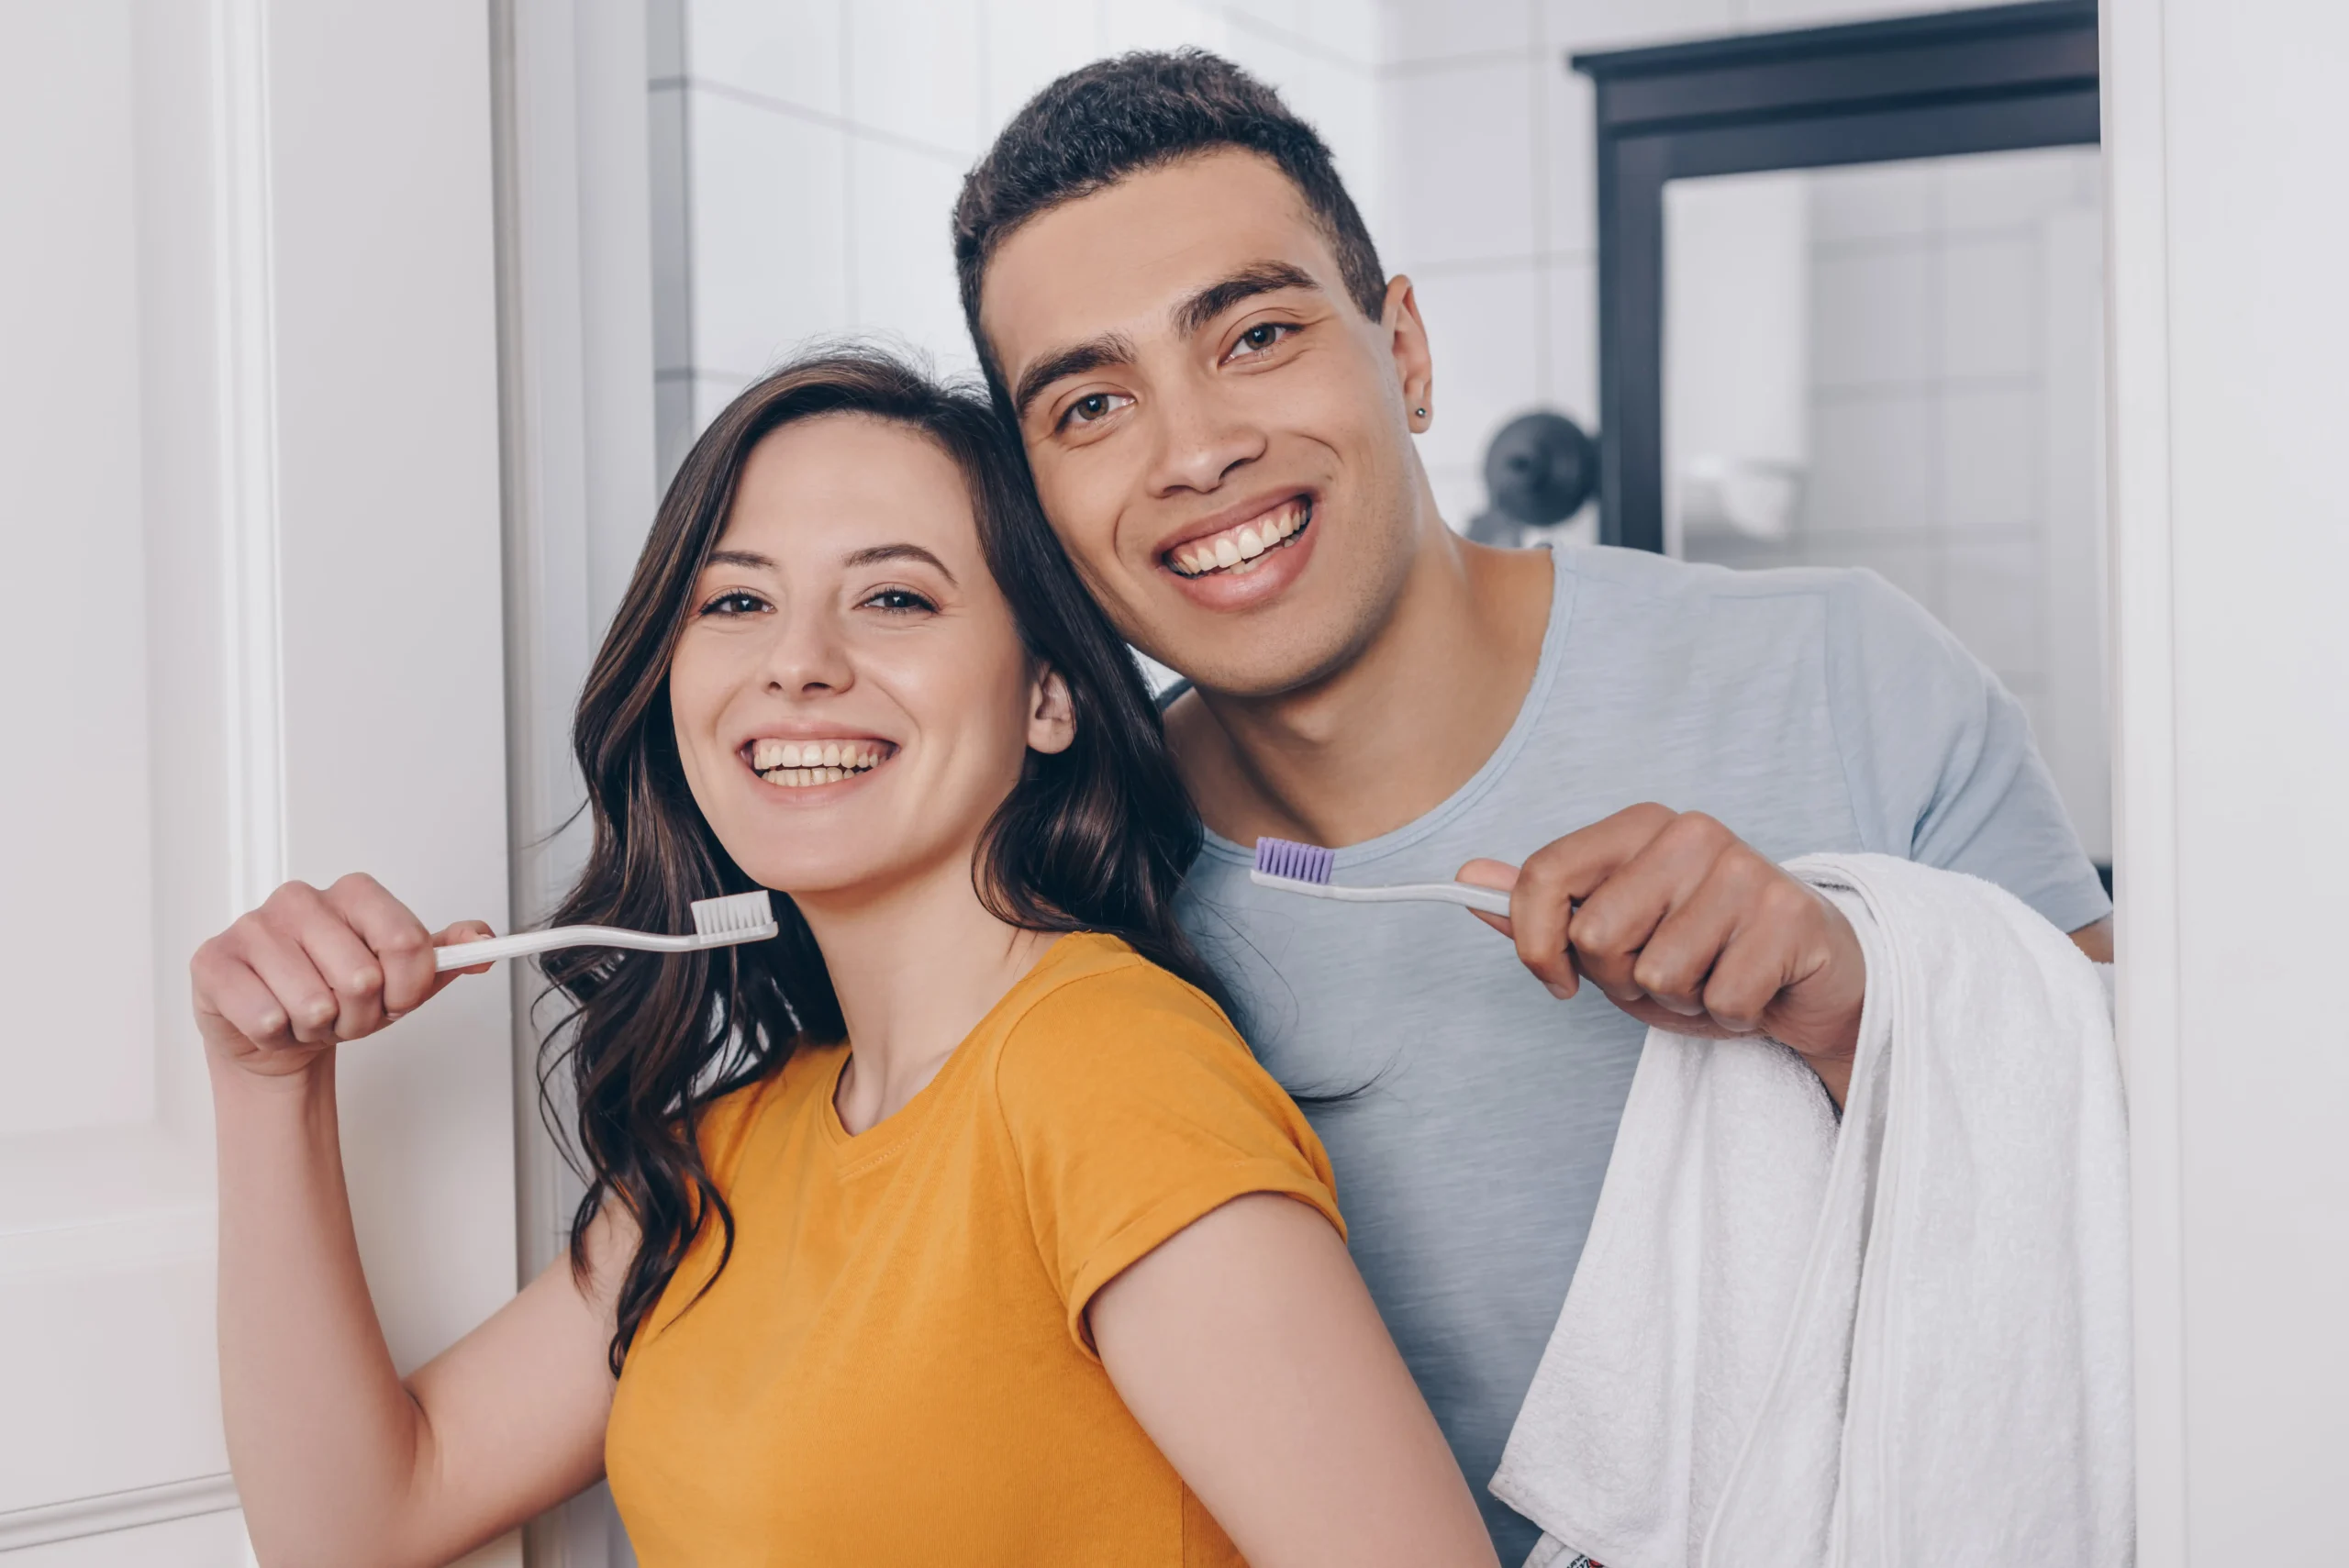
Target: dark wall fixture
(1993,80)
(1539,470)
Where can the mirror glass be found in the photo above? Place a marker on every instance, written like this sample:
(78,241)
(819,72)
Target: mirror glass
(1899,366)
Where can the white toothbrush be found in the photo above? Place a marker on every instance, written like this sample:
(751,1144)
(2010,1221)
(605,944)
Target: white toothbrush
(1305,867)
(718,922)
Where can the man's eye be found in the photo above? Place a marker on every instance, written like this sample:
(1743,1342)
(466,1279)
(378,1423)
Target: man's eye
(1262,335)
(1095,409)
(734,602)
(899,600)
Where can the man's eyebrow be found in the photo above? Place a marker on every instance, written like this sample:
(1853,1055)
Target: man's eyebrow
(1109,349)
(873,555)
(1257,277)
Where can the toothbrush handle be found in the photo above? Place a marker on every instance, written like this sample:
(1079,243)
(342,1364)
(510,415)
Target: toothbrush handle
(464,955)
(1491,900)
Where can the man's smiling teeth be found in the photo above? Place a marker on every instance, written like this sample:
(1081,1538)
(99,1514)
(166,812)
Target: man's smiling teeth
(795,764)
(1235,547)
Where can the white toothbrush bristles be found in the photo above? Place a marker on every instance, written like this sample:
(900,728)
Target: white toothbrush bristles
(738,915)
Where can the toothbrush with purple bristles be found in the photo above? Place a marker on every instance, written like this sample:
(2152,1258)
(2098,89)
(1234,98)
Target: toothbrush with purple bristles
(1305,867)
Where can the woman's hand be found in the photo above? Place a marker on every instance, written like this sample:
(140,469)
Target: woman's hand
(278,989)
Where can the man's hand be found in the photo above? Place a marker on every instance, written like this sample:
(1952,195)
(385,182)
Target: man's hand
(1686,927)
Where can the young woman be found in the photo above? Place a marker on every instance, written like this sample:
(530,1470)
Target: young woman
(953,1224)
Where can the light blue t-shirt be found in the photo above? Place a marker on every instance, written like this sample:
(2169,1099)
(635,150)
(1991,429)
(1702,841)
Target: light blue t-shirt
(1474,1114)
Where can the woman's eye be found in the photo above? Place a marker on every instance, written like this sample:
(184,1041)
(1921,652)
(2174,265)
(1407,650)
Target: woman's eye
(1093,410)
(735,602)
(900,601)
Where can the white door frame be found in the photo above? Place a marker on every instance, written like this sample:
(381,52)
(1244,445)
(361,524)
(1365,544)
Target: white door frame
(2226,131)
(576,323)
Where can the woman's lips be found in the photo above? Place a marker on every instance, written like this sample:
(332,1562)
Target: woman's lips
(802,764)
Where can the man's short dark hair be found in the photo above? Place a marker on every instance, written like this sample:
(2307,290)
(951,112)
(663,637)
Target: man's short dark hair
(1118,118)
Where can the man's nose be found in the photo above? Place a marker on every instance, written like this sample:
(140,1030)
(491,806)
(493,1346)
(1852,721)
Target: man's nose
(1202,437)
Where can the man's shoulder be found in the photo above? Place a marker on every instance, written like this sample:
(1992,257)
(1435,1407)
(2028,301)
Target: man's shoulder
(1631,598)
(1641,574)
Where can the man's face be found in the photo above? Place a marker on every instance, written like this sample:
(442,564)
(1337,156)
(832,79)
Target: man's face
(1220,439)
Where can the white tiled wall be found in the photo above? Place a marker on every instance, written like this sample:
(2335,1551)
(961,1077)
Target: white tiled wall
(1487,142)
(1955,311)
(807,154)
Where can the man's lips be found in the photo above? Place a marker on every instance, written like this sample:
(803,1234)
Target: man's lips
(1236,545)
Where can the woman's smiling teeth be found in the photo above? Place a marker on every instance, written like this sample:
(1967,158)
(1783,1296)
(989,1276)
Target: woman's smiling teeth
(1235,550)
(796,764)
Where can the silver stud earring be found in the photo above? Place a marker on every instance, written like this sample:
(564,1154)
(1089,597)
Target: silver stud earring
(1421,412)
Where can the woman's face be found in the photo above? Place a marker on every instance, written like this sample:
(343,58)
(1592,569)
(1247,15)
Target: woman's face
(851,695)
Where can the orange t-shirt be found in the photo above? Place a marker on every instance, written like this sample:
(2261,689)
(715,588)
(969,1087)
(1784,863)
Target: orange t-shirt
(893,1366)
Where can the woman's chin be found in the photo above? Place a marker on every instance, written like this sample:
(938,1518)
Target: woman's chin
(833,881)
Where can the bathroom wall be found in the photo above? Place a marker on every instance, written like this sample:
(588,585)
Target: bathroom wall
(1485,137)
(805,154)
(1953,398)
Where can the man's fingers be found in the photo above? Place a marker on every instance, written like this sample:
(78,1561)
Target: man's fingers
(1498,874)
(1745,979)
(1565,871)
(1676,960)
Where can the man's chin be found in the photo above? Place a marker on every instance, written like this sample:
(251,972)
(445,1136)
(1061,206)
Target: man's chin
(1261,661)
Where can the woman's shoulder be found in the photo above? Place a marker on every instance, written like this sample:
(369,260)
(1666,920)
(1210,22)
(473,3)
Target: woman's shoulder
(1092,986)
(1106,1027)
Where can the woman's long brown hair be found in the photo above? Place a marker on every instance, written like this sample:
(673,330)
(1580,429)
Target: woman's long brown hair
(1096,838)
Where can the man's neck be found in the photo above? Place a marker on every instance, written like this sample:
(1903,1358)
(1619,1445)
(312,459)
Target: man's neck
(1392,735)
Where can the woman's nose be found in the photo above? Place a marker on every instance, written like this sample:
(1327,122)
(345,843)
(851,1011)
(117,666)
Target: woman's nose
(807,654)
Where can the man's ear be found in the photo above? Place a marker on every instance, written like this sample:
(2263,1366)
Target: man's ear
(1052,714)
(1407,338)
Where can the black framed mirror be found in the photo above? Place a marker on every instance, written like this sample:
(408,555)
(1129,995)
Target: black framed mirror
(1850,308)
(1997,79)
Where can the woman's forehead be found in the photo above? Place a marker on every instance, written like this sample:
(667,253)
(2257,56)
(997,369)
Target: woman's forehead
(829,485)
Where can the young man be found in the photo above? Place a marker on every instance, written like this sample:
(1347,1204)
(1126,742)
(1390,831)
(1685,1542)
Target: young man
(1217,385)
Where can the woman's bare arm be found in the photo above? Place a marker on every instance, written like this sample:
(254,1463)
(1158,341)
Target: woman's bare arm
(1248,1348)
(336,1460)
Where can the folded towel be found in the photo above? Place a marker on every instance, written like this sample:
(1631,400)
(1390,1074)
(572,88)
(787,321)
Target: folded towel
(1896,1341)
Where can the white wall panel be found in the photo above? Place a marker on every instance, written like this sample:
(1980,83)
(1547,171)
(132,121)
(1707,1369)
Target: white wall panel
(77,962)
(249,443)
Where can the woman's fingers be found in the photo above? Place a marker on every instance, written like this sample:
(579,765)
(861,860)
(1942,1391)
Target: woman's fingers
(453,936)
(397,943)
(307,967)
(271,941)
(227,990)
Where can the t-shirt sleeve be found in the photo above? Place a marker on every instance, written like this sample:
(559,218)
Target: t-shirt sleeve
(1131,1109)
(1940,760)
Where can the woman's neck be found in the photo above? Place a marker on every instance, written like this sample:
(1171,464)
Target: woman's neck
(915,969)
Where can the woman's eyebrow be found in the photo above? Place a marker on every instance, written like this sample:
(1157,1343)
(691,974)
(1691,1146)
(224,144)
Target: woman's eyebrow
(750,558)
(875,554)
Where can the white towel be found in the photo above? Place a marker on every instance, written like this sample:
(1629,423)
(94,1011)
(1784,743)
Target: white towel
(1901,1341)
